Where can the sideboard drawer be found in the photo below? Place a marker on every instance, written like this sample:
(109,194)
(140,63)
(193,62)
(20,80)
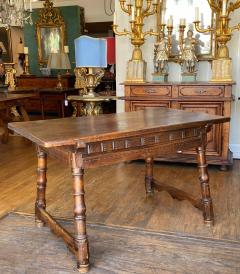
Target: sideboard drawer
(163,91)
(211,91)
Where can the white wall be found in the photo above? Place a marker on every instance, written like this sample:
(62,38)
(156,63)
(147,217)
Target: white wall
(124,50)
(94,9)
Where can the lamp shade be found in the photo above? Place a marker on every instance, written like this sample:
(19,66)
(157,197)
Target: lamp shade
(58,61)
(111,56)
(3,48)
(91,52)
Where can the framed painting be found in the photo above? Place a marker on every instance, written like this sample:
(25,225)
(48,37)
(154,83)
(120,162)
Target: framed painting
(50,40)
(50,30)
(5,39)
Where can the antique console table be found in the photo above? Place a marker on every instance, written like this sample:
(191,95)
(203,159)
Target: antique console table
(88,142)
(7,102)
(212,98)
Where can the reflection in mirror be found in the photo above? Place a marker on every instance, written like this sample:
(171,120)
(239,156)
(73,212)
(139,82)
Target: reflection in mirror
(180,9)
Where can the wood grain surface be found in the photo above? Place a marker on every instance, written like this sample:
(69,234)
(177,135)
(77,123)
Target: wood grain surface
(69,131)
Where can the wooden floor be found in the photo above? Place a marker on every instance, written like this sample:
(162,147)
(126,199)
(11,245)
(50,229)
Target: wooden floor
(114,250)
(115,195)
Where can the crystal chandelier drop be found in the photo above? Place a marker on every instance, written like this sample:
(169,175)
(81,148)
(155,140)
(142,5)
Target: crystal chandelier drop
(15,13)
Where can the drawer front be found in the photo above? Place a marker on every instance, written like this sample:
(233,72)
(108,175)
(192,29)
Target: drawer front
(211,91)
(164,91)
(140,105)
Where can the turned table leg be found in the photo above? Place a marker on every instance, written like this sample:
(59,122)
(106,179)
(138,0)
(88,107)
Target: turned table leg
(207,205)
(41,185)
(80,237)
(149,175)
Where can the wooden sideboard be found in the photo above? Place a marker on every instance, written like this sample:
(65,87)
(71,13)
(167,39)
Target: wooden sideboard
(48,99)
(212,98)
(44,82)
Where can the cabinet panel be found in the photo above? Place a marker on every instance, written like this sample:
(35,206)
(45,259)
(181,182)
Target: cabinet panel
(215,91)
(165,91)
(139,105)
(214,146)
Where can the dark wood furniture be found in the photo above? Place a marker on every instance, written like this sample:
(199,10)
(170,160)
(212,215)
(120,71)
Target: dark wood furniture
(212,98)
(44,82)
(49,100)
(88,142)
(7,102)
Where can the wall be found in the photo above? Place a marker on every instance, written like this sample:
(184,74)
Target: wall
(123,54)
(71,16)
(94,9)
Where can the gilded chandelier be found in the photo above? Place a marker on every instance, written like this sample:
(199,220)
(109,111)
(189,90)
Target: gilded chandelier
(138,13)
(15,12)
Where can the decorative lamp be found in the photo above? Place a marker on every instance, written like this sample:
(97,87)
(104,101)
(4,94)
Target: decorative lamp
(91,53)
(66,50)
(59,61)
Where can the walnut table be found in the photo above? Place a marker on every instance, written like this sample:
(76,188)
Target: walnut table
(88,142)
(7,102)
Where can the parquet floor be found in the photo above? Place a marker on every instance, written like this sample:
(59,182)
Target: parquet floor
(115,195)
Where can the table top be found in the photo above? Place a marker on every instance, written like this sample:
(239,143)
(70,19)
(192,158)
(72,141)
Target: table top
(5,96)
(91,98)
(81,130)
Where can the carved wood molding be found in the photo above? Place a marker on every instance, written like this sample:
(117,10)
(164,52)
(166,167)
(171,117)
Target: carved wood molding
(49,15)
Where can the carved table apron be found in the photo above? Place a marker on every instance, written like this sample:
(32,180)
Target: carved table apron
(89,142)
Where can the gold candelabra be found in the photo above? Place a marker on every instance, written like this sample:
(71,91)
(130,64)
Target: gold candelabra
(222,66)
(137,66)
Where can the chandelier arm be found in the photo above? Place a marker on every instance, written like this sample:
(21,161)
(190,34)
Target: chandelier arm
(121,33)
(147,8)
(213,6)
(237,27)
(233,6)
(155,8)
(150,32)
(122,4)
(200,30)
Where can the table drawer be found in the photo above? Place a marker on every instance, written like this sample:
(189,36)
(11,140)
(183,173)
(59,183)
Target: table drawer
(211,91)
(164,91)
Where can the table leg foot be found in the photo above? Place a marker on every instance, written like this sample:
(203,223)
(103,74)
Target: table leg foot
(41,185)
(149,176)
(207,205)
(83,269)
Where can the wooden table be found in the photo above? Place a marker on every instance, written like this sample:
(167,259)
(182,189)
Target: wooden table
(88,142)
(7,102)
(49,100)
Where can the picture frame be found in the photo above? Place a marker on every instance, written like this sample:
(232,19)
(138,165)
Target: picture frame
(50,32)
(5,38)
(50,39)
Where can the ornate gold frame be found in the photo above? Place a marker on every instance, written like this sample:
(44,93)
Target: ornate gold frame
(49,17)
(201,57)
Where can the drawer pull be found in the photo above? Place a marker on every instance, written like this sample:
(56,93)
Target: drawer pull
(150,90)
(202,91)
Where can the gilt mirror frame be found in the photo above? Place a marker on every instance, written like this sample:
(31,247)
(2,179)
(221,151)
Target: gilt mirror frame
(50,32)
(210,55)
